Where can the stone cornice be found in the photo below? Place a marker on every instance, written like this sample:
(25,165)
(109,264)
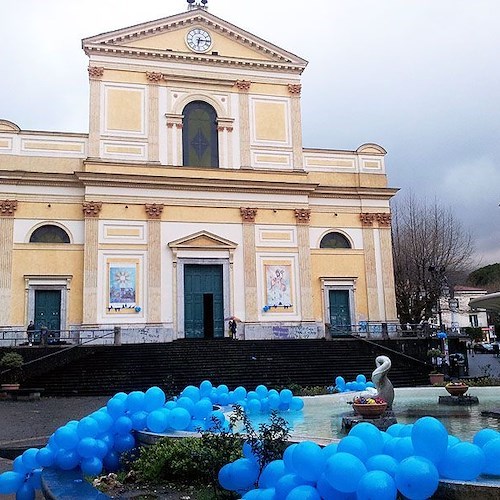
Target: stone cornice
(138,53)
(7,208)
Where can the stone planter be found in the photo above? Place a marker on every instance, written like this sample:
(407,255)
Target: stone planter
(369,410)
(457,390)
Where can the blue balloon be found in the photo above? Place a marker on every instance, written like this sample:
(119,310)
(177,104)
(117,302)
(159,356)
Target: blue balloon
(122,396)
(340,381)
(395,429)
(376,485)
(191,392)
(355,446)
(308,460)
(492,457)
(87,427)
(222,389)
(382,462)
(252,395)
(406,431)
(227,478)
(253,406)
(248,452)
(240,393)
(66,437)
(123,425)
(205,388)
(370,385)
(304,492)
(179,419)
(329,450)
(139,420)
(370,435)
(202,408)
(104,420)
(271,473)
(135,401)
(463,461)
(45,457)
(29,458)
(390,446)
(430,438)
(67,459)
(101,448)
(252,495)
(19,466)
(35,479)
(344,471)
(124,442)
(327,491)
(91,466)
(296,404)
(404,448)
(108,439)
(286,484)
(246,473)
(157,420)
(10,482)
(170,405)
(286,395)
(154,398)
(116,407)
(417,478)
(288,457)
(25,492)
(274,401)
(87,447)
(223,399)
(262,391)
(452,440)
(484,435)
(186,403)
(361,379)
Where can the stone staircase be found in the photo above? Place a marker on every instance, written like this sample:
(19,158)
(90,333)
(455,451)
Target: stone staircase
(105,370)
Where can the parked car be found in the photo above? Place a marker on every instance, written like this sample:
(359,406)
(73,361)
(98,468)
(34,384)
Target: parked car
(483,347)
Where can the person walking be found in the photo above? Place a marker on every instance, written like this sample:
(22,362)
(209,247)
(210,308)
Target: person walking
(30,332)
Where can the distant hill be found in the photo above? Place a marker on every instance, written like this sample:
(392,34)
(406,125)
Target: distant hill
(487,277)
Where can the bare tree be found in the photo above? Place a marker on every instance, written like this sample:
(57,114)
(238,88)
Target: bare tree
(431,248)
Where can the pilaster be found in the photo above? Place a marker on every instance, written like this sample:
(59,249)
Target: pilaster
(250,264)
(303,216)
(7,210)
(154,213)
(298,154)
(95,75)
(153,130)
(367,221)
(243,87)
(91,212)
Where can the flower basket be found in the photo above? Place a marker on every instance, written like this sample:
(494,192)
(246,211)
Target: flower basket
(370,410)
(457,389)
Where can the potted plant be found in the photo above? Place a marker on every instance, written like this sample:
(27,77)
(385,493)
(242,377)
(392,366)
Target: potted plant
(436,376)
(11,364)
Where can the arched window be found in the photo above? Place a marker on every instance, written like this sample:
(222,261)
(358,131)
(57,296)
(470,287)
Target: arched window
(49,234)
(334,240)
(200,144)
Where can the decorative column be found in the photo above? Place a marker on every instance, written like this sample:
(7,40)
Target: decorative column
(367,220)
(153,133)
(250,265)
(303,215)
(91,210)
(154,213)
(7,209)
(243,87)
(174,139)
(95,75)
(384,223)
(294,90)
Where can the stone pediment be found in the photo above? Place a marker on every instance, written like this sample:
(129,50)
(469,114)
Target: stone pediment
(203,240)
(165,39)
(7,126)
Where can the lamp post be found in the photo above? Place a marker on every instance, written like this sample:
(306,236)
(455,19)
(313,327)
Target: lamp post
(440,283)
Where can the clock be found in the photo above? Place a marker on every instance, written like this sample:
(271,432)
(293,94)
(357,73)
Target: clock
(199,40)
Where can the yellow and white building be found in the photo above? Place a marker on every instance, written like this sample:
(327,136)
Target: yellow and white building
(192,199)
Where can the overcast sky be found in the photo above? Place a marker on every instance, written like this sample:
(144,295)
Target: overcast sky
(419,77)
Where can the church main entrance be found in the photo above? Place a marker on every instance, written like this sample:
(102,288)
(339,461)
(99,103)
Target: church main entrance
(48,309)
(203,301)
(340,314)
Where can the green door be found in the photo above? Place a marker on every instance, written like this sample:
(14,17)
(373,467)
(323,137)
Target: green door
(340,314)
(203,301)
(48,309)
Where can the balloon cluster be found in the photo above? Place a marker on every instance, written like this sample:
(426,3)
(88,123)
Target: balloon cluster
(360,384)
(97,441)
(368,464)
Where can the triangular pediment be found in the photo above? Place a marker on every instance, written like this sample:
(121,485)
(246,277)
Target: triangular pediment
(166,38)
(203,240)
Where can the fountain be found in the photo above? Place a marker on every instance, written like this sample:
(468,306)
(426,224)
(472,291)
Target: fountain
(377,413)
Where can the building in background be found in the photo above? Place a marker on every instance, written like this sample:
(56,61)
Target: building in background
(192,200)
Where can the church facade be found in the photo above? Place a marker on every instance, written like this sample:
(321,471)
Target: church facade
(192,200)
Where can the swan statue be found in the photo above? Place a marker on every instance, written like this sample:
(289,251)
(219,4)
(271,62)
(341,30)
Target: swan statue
(380,380)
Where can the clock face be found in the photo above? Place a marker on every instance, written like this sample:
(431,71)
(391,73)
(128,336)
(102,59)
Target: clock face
(199,40)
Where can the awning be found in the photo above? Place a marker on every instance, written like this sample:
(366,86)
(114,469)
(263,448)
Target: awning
(491,301)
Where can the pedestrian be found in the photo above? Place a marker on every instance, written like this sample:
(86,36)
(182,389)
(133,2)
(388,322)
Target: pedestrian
(496,349)
(30,332)
(233,327)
